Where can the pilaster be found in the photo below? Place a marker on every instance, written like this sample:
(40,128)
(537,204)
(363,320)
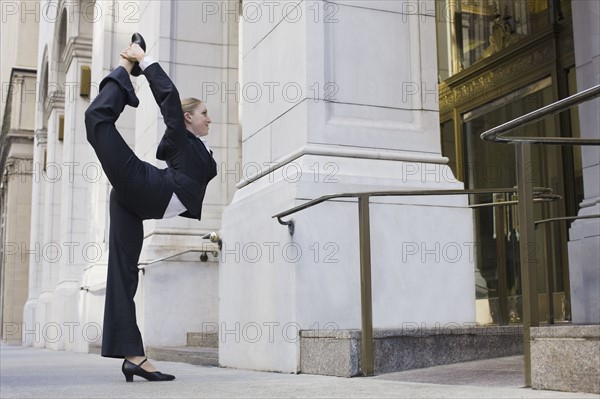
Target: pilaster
(584,243)
(37,205)
(352,109)
(196,52)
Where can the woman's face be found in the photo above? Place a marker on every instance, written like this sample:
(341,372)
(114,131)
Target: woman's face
(197,122)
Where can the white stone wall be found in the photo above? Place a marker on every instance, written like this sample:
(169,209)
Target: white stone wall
(73,212)
(18,41)
(16,182)
(60,190)
(365,119)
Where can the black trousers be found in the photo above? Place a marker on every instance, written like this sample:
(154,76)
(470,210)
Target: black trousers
(140,191)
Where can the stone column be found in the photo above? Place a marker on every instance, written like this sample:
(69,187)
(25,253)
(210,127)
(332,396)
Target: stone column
(113,24)
(14,269)
(339,97)
(198,52)
(16,156)
(61,217)
(44,312)
(35,262)
(74,198)
(584,244)
(566,357)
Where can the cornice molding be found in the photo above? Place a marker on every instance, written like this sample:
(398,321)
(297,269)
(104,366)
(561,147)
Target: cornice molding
(55,100)
(488,85)
(41,137)
(13,136)
(77,47)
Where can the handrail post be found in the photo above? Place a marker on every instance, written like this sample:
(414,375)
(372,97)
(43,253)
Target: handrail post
(527,249)
(366,336)
(499,216)
(549,274)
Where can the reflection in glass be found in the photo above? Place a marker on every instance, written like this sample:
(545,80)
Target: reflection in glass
(477,29)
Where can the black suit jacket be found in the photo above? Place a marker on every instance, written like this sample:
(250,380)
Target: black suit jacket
(191,166)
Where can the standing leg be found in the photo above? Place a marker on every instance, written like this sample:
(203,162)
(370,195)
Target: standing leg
(121,336)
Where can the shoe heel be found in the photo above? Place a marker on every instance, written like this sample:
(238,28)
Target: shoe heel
(137,38)
(128,373)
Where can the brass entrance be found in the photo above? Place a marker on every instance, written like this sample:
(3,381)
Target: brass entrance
(499,60)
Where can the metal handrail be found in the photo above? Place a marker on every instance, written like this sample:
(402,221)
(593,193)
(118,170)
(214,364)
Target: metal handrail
(541,198)
(525,195)
(143,265)
(540,192)
(538,222)
(367,358)
(213,237)
(93,289)
(496,134)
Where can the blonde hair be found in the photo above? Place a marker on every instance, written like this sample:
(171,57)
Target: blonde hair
(190,104)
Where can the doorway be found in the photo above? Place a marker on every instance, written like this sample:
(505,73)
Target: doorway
(489,165)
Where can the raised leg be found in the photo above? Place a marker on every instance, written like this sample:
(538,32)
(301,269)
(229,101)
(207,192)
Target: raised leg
(118,161)
(139,184)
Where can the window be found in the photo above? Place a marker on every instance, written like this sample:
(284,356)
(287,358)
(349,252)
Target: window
(477,29)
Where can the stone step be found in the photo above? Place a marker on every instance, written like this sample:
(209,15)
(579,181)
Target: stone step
(338,353)
(203,340)
(185,354)
(95,348)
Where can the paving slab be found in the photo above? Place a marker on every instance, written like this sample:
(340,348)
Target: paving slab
(42,373)
(499,372)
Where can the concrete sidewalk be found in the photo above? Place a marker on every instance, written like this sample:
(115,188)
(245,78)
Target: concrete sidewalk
(40,373)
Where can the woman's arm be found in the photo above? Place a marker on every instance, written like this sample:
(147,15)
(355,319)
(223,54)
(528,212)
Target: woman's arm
(167,97)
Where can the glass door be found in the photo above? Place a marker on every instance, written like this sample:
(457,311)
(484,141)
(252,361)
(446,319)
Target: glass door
(490,165)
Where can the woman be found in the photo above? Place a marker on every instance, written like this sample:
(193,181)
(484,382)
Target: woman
(141,191)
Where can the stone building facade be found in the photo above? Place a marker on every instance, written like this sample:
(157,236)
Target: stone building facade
(306,99)
(17,168)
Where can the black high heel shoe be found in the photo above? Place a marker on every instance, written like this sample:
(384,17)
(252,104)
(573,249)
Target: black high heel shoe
(130,369)
(137,38)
